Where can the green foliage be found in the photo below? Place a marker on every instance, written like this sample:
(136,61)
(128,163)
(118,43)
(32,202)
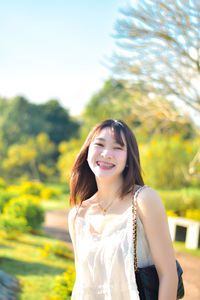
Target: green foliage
(34,159)
(32,188)
(58,124)
(166,162)
(14,190)
(13,226)
(193,214)
(51,205)
(64,285)
(171,213)
(23,119)
(69,151)
(146,116)
(5,197)
(62,250)
(2,183)
(20,119)
(107,104)
(27,207)
(50,193)
(59,249)
(29,135)
(181,202)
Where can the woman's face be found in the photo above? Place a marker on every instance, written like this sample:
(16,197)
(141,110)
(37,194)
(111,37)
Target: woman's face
(107,158)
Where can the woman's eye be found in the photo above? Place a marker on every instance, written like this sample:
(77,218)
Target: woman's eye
(118,148)
(98,144)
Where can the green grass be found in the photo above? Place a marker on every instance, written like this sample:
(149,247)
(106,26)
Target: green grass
(181,246)
(49,205)
(23,259)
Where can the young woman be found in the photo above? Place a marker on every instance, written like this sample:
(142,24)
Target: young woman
(104,178)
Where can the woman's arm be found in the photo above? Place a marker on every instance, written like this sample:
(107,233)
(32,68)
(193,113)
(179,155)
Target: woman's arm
(153,216)
(71,227)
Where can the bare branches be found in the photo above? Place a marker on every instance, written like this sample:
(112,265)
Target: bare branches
(159,45)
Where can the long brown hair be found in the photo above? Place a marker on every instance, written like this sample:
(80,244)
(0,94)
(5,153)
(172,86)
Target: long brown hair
(83,183)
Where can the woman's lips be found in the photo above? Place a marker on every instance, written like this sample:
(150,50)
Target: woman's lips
(105,165)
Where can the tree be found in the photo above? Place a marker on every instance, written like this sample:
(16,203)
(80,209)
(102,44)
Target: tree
(107,103)
(160,48)
(32,160)
(58,123)
(173,169)
(22,119)
(68,152)
(146,116)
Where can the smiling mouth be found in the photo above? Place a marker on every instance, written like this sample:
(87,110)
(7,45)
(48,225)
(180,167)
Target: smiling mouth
(105,165)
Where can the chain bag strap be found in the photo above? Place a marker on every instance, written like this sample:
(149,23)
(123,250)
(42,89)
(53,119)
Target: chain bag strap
(134,215)
(147,278)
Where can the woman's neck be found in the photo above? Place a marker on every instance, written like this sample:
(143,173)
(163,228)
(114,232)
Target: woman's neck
(108,191)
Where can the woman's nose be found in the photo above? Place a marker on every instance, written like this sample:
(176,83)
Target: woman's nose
(106,153)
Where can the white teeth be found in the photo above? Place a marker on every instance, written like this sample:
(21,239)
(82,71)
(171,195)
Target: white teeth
(106,165)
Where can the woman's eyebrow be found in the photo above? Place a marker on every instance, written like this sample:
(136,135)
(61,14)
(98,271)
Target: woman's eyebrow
(101,139)
(118,143)
(115,142)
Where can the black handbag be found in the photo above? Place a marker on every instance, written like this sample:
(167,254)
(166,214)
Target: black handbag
(147,278)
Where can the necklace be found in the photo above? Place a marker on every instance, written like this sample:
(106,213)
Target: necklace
(104,210)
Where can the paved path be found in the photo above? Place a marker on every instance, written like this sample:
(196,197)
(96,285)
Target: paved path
(56,225)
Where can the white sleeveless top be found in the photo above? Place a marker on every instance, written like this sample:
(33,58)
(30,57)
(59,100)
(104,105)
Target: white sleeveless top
(104,262)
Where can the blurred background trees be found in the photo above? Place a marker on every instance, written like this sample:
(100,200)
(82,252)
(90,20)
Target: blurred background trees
(159,49)
(21,119)
(157,67)
(167,137)
(29,138)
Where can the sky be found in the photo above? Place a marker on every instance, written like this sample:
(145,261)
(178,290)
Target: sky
(56,49)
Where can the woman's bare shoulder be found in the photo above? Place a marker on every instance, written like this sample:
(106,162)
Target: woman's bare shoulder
(151,209)
(148,198)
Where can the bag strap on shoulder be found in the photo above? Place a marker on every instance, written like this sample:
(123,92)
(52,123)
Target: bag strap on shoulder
(134,216)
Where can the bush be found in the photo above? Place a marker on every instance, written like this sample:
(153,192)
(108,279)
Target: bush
(26,207)
(171,213)
(193,214)
(49,193)
(12,226)
(5,198)
(180,201)
(173,201)
(58,249)
(61,249)
(68,152)
(2,183)
(166,162)
(64,285)
(14,190)
(31,188)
